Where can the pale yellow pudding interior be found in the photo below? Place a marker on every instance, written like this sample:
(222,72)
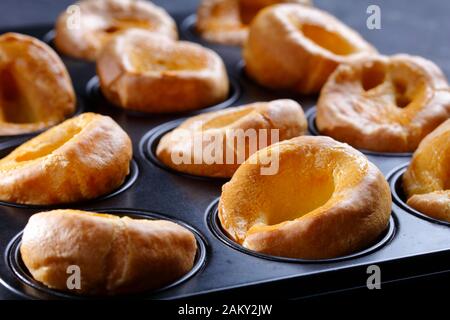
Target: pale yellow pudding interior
(174,59)
(15,104)
(48,147)
(330,41)
(401,83)
(396,91)
(310,179)
(300,187)
(115,26)
(41,146)
(429,170)
(426,182)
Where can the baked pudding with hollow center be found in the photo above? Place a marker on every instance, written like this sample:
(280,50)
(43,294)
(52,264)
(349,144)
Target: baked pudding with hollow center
(227,21)
(386,104)
(85,27)
(114,255)
(141,71)
(426,182)
(80,159)
(326,200)
(294,47)
(35,88)
(214,144)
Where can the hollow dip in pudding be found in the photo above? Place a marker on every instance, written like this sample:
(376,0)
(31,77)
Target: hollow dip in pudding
(36,91)
(386,104)
(326,200)
(215,144)
(141,71)
(80,159)
(295,48)
(85,27)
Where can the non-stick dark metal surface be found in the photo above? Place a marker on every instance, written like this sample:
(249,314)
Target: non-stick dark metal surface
(416,246)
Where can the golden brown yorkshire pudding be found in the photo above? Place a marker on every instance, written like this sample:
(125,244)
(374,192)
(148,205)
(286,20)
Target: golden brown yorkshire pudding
(114,255)
(83,29)
(35,88)
(214,144)
(427,180)
(295,47)
(227,21)
(384,103)
(142,71)
(80,159)
(325,201)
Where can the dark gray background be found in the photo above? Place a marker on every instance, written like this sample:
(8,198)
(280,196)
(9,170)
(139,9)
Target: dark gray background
(420,26)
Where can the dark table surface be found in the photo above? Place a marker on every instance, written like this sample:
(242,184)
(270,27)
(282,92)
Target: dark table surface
(422,26)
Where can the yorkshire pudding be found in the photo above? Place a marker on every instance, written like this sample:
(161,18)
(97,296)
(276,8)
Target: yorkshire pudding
(294,47)
(82,30)
(226,21)
(80,159)
(142,71)
(386,104)
(35,88)
(214,144)
(327,200)
(427,180)
(114,255)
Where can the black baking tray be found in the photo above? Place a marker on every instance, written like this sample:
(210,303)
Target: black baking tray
(412,246)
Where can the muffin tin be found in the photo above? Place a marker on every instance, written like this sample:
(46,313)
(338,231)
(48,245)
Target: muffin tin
(412,245)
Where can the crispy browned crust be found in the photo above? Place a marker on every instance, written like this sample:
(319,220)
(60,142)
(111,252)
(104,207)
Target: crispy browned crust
(226,21)
(115,255)
(285,115)
(100,20)
(427,180)
(295,47)
(146,72)
(386,104)
(326,200)
(82,158)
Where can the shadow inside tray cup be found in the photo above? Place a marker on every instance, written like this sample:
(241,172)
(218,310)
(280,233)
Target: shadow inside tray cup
(130,179)
(312,127)
(216,228)
(399,196)
(95,94)
(49,39)
(270,93)
(188,29)
(20,276)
